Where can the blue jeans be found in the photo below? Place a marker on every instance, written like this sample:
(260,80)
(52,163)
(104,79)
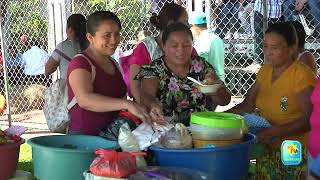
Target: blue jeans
(314,6)
(228,19)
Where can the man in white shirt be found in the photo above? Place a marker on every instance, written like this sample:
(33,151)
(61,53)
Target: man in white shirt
(34,62)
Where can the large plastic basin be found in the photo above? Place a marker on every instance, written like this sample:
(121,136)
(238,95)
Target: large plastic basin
(65,157)
(227,162)
(9,156)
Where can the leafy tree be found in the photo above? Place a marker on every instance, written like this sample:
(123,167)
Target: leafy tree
(131,13)
(28,17)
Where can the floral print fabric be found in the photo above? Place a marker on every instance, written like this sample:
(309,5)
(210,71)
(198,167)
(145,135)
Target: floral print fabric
(179,96)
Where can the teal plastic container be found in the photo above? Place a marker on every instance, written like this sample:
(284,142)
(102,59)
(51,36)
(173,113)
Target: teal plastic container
(65,157)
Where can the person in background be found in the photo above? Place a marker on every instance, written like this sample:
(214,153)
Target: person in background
(75,43)
(208,45)
(166,90)
(314,6)
(304,55)
(274,15)
(246,17)
(15,66)
(100,100)
(281,95)
(151,48)
(34,62)
(228,21)
(14,58)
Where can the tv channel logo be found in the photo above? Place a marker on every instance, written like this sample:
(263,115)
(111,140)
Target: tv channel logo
(291,152)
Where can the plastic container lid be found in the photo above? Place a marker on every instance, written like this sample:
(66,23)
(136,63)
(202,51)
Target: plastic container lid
(217,119)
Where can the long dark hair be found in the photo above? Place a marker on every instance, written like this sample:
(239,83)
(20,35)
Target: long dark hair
(78,23)
(169,13)
(301,33)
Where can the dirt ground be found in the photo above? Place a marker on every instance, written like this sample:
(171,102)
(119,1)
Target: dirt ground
(22,112)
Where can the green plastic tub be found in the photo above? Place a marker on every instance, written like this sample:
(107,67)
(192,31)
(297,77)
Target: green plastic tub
(65,157)
(217,119)
(216,128)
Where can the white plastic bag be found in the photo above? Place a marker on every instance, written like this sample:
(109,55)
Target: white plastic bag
(129,143)
(148,135)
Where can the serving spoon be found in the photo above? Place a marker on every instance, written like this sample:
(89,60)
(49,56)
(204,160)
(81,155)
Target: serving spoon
(196,81)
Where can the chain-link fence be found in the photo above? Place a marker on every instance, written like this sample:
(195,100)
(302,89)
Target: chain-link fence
(41,23)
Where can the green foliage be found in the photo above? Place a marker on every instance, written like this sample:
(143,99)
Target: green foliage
(30,17)
(130,12)
(26,18)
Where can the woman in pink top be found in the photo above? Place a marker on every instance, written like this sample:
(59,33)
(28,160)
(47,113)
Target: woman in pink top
(151,48)
(98,100)
(314,136)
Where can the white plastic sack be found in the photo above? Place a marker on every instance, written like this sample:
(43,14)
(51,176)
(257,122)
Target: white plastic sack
(148,135)
(129,143)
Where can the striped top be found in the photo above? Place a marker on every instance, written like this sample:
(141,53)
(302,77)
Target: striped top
(274,8)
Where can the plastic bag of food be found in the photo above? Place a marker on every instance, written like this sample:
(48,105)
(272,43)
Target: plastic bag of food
(114,164)
(177,137)
(129,143)
(147,134)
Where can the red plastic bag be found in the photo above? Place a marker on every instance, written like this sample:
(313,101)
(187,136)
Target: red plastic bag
(114,164)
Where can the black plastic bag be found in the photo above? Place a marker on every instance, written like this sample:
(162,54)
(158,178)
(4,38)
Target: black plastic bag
(111,132)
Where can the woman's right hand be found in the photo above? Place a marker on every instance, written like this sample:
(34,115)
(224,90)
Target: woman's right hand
(156,113)
(138,111)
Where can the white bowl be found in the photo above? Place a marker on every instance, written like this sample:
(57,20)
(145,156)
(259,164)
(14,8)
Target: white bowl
(212,88)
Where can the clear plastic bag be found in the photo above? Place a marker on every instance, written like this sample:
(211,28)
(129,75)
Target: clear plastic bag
(177,137)
(129,143)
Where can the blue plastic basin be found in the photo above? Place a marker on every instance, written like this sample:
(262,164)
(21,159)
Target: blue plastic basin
(65,157)
(227,162)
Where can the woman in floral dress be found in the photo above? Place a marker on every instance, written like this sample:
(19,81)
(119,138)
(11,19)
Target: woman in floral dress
(166,90)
